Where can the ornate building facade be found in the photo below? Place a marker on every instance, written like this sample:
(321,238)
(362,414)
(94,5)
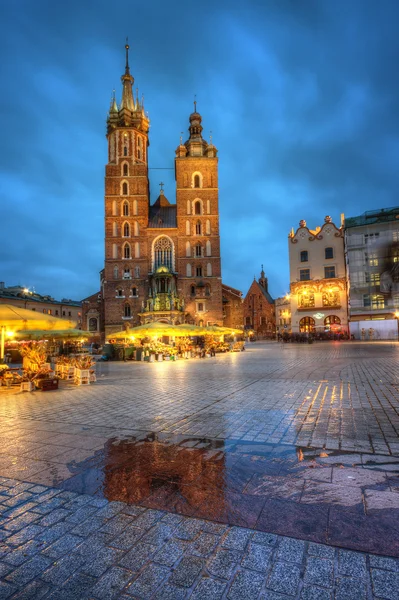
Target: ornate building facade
(162,260)
(318,279)
(259,311)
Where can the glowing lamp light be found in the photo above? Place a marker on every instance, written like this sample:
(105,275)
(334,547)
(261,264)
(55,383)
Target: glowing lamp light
(9,333)
(397,314)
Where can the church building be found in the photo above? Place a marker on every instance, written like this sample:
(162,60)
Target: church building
(162,260)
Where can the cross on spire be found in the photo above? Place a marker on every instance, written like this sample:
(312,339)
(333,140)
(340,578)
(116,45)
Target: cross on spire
(195,102)
(161,185)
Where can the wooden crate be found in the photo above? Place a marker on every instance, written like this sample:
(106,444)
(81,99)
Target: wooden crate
(27,386)
(47,384)
(82,376)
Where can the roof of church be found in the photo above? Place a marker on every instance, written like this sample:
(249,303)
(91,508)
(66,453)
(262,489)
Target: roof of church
(162,213)
(265,293)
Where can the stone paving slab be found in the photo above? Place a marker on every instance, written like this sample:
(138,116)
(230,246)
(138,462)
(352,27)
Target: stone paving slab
(172,556)
(184,479)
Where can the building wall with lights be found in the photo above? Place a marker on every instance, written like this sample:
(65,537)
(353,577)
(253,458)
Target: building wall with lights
(162,260)
(283,314)
(70,310)
(372,254)
(318,288)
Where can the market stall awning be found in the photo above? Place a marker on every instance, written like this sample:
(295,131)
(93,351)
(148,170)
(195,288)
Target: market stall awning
(15,318)
(147,330)
(221,330)
(55,334)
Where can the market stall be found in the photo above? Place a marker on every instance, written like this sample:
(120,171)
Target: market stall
(154,342)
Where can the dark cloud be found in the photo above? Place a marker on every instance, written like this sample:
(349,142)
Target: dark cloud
(302,99)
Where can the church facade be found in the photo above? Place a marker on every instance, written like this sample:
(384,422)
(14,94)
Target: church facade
(162,260)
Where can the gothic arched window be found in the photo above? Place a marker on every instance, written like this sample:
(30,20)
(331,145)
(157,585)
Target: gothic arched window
(126,251)
(126,230)
(198,228)
(125,169)
(163,253)
(125,209)
(124,188)
(197,181)
(197,207)
(128,312)
(198,250)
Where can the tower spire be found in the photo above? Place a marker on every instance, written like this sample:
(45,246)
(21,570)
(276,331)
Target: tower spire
(127,82)
(127,70)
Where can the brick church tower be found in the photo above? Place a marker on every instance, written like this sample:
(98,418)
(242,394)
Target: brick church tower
(162,260)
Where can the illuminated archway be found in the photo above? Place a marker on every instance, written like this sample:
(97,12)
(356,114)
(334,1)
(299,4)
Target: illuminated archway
(307,325)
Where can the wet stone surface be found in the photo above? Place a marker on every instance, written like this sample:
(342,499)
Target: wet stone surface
(187,561)
(183,480)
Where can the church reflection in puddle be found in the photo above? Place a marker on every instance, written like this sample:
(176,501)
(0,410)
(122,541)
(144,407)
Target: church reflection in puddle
(275,488)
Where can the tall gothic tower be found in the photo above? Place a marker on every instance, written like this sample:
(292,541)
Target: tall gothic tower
(162,261)
(126,205)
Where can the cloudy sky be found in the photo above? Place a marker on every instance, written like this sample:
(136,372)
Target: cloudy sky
(301,96)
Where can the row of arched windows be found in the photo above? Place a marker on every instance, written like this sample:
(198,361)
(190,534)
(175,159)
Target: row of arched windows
(127,273)
(196,207)
(140,148)
(125,208)
(198,228)
(308,324)
(198,270)
(206,290)
(133,293)
(127,250)
(199,249)
(127,230)
(197,180)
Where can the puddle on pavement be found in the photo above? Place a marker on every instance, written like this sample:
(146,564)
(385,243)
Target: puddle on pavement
(274,488)
(197,469)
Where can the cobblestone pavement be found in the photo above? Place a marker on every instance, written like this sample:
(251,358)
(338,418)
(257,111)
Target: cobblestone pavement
(298,441)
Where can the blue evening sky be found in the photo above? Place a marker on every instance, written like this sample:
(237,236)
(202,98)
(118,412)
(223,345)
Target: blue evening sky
(301,96)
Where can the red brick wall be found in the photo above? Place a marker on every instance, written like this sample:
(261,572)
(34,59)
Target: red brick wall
(256,307)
